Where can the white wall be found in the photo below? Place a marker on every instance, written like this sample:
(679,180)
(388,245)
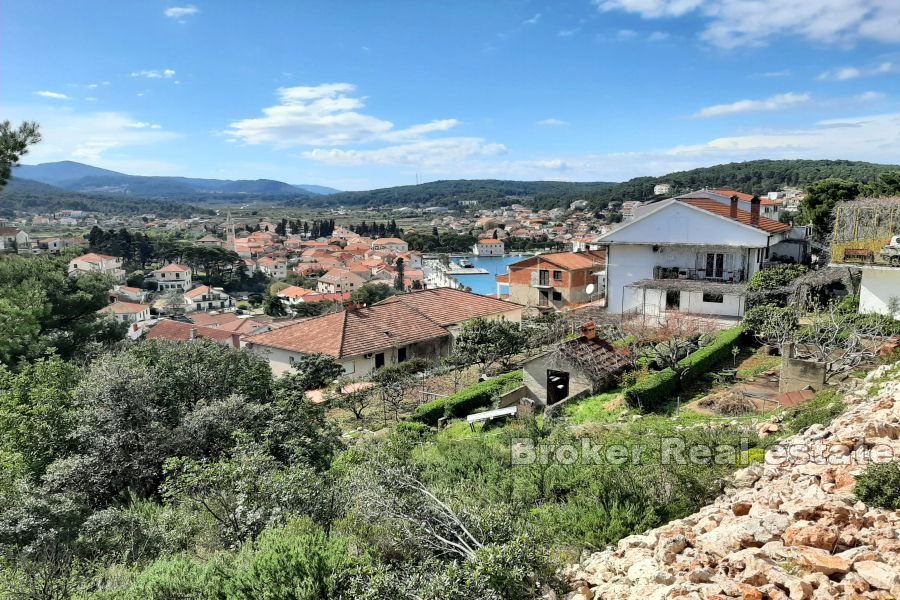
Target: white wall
(731,306)
(626,264)
(877,288)
(679,223)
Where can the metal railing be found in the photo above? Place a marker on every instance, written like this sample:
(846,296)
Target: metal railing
(732,276)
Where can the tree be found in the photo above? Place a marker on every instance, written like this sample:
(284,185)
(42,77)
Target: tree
(370,293)
(393,383)
(885,185)
(399,283)
(14,144)
(273,305)
(313,371)
(841,341)
(352,395)
(821,197)
(41,307)
(772,325)
(486,342)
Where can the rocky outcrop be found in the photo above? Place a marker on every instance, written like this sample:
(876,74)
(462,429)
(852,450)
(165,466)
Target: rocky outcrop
(786,529)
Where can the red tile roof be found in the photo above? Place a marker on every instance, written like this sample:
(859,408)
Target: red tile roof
(566,260)
(446,306)
(125,308)
(354,332)
(93,257)
(173,268)
(717,208)
(177,331)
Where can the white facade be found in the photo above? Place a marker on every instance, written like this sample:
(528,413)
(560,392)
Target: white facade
(489,247)
(880,291)
(172,278)
(679,241)
(98,263)
(207,298)
(661,189)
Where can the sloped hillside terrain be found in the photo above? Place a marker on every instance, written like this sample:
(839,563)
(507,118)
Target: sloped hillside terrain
(783,529)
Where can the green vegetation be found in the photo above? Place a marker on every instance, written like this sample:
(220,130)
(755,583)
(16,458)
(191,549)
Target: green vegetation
(879,485)
(827,405)
(468,400)
(658,387)
(14,143)
(776,277)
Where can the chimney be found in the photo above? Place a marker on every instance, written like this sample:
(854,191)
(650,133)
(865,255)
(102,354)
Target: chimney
(734,207)
(193,334)
(754,210)
(589,330)
(236,340)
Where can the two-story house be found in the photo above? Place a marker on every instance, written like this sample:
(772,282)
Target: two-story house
(692,255)
(206,298)
(12,239)
(172,277)
(488,247)
(555,280)
(97,263)
(393,244)
(337,281)
(127,312)
(275,268)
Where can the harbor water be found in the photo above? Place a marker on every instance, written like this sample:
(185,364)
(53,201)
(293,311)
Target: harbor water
(494,265)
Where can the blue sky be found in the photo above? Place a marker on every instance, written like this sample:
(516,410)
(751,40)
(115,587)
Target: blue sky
(361,94)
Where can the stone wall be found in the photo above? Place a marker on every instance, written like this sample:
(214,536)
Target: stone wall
(782,529)
(799,374)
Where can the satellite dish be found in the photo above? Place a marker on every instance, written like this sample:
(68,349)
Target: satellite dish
(590,289)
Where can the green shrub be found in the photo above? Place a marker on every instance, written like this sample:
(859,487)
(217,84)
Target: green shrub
(467,400)
(776,277)
(822,409)
(879,485)
(659,387)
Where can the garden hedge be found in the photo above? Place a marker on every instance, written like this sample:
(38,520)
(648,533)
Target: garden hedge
(466,400)
(659,388)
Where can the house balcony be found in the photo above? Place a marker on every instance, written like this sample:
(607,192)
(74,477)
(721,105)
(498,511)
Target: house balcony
(541,282)
(722,276)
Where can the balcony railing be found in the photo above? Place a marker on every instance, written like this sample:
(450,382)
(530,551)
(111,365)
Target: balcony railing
(732,276)
(541,282)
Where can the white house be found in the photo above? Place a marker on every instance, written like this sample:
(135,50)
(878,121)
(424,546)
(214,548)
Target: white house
(97,263)
(488,247)
(13,238)
(394,244)
(173,277)
(661,189)
(691,255)
(338,281)
(128,312)
(206,298)
(273,267)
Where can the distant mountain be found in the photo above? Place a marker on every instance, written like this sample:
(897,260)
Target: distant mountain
(33,196)
(56,173)
(450,193)
(317,189)
(77,177)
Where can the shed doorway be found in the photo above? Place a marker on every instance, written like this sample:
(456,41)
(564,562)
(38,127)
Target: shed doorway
(557,386)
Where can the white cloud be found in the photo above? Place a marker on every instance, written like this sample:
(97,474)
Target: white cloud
(768,74)
(53,95)
(869,97)
(154,73)
(180,12)
(567,32)
(777,102)
(551,122)
(430,154)
(732,23)
(93,137)
(658,36)
(533,20)
(846,73)
(325,115)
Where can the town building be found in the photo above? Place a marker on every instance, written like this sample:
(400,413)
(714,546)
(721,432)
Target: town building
(97,263)
(127,312)
(692,255)
(488,247)
(172,277)
(768,206)
(556,280)
(393,244)
(210,241)
(177,331)
(661,189)
(275,268)
(416,325)
(12,239)
(337,281)
(206,298)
